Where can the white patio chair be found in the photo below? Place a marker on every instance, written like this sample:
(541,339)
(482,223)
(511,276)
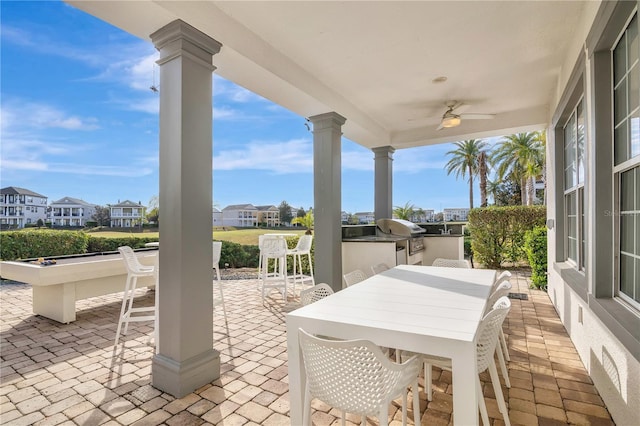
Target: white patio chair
(301,249)
(218,301)
(354,376)
(380,267)
(128,313)
(315,293)
(504,276)
(486,341)
(354,277)
(276,249)
(451,263)
(502,351)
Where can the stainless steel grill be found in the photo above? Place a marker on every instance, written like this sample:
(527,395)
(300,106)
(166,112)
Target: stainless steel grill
(403,228)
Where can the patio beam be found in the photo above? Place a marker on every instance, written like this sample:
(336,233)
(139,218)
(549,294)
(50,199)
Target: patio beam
(327,197)
(185,359)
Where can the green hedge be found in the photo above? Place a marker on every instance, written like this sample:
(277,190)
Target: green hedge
(26,244)
(535,243)
(100,244)
(34,243)
(497,233)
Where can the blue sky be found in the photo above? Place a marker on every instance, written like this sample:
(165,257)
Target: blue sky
(78,119)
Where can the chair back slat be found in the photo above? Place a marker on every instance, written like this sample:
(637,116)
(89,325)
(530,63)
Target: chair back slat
(315,293)
(488,332)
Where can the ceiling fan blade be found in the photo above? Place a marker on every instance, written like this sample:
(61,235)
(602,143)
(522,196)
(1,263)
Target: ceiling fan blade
(456,105)
(471,116)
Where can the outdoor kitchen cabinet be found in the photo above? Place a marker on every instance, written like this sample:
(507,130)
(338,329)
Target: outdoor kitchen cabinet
(364,254)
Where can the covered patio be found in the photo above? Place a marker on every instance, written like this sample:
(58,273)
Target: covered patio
(382,74)
(68,374)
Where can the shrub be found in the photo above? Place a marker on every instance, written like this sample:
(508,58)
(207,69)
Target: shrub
(239,256)
(497,233)
(535,244)
(100,244)
(36,243)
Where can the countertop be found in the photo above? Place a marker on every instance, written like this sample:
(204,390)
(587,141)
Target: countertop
(374,239)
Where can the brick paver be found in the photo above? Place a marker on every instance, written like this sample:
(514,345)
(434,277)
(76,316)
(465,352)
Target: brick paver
(53,373)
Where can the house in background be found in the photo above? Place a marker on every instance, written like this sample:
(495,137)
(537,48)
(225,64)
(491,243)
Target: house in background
(269,215)
(217,217)
(240,215)
(126,214)
(365,217)
(455,214)
(70,211)
(20,207)
(423,216)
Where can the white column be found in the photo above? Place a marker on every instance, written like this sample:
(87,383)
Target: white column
(327,188)
(383,182)
(186,359)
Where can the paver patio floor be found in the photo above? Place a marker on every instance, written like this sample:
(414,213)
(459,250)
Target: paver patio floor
(53,373)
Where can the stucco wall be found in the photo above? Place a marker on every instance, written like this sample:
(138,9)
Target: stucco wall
(614,371)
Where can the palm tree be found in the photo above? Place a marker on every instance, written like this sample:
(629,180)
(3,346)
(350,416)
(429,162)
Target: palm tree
(482,173)
(464,161)
(306,221)
(493,186)
(542,138)
(521,157)
(404,212)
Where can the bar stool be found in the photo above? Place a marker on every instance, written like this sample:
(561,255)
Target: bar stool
(135,270)
(301,249)
(276,249)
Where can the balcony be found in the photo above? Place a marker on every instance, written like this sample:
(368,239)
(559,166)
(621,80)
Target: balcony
(55,372)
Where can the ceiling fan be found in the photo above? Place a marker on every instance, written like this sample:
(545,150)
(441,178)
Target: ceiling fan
(451,119)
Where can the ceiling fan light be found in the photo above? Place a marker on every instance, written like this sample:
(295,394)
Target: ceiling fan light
(452,121)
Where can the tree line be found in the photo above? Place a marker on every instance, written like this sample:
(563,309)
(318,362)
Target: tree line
(517,161)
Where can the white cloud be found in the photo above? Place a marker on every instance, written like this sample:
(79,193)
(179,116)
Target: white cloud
(360,161)
(225,89)
(149,105)
(33,115)
(33,154)
(416,161)
(294,156)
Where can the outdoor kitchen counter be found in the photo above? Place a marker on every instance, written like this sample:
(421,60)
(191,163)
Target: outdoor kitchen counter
(374,239)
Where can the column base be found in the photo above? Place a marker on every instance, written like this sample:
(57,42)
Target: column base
(182,378)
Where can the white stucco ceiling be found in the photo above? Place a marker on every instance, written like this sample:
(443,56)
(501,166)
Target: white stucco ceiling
(374,62)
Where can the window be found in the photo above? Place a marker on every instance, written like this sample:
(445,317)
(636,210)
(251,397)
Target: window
(574,140)
(626,161)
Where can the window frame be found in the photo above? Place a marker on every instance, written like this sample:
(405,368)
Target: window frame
(578,188)
(629,163)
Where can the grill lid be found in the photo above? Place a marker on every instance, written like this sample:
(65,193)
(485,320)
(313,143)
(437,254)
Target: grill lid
(399,227)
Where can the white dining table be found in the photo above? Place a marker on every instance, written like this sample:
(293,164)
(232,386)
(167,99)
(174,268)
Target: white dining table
(423,309)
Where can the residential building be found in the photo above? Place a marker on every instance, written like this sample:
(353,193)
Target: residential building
(126,214)
(242,215)
(217,217)
(455,214)
(344,217)
(365,217)
(423,216)
(268,215)
(20,207)
(70,211)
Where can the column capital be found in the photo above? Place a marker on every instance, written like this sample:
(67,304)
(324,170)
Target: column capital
(384,151)
(178,37)
(328,119)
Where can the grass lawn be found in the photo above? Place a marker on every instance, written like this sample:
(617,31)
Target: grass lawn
(250,236)
(240,236)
